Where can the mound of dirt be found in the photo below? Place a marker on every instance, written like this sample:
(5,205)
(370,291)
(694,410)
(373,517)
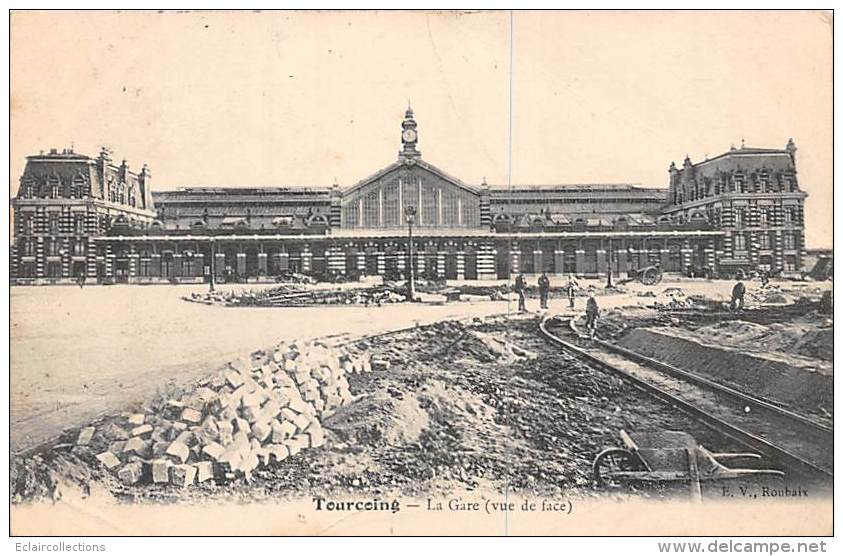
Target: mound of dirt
(380,419)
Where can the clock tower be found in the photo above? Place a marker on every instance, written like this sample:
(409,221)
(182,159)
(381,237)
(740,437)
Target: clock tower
(409,137)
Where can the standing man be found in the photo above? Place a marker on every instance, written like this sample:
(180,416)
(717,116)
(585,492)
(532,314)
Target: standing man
(544,289)
(520,287)
(572,289)
(737,295)
(592,311)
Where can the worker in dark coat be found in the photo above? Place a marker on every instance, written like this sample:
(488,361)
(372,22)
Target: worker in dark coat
(592,311)
(521,290)
(738,293)
(544,289)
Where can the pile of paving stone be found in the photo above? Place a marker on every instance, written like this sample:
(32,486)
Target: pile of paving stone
(255,412)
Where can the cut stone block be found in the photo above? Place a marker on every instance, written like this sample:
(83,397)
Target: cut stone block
(182,475)
(85,436)
(136,418)
(234,379)
(213,450)
(131,473)
(179,450)
(190,415)
(204,471)
(143,429)
(137,445)
(281,431)
(186,437)
(278,451)
(261,430)
(251,413)
(317,436)
(298,405)
(109,460)
(161,471)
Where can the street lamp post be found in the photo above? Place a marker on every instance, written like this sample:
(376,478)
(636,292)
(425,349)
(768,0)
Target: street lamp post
(411,278)
(212,265)
(609,274)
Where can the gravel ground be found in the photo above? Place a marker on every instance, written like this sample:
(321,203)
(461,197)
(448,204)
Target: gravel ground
(487,406)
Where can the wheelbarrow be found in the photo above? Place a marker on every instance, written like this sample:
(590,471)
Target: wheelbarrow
(669,456)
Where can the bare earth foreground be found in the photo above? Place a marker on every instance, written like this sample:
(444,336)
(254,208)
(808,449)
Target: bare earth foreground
(463,410)
(79,353)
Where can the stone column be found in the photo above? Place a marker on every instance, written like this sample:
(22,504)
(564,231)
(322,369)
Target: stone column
(709,256)
(90,258)
(133,262)
(219,264)
(241,264)
(664,258)
(440,264)
(336,260)
(515,259)
(460,265)
(643,258)
(559,262)
(155,265)
(580,262)
(538,261)
(486,262)
(199,265)
(778,249)
(65,257)
(40,261)
(361,262)
(306,260)
(176,270)
(686,255)
(602,265)
(381,263)
(401,262)
(109,261)
(263,264)
(283,261)
(622,255)
(419,262)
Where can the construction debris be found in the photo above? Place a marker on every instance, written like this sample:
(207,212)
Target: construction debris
(255,412)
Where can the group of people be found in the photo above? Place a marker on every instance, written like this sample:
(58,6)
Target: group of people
(592,310)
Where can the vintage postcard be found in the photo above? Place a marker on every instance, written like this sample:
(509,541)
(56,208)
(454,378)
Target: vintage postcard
(421,273)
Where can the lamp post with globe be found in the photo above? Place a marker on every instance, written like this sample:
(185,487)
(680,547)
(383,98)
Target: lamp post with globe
(410,213)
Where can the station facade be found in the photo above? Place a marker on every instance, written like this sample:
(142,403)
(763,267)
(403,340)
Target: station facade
(77,216)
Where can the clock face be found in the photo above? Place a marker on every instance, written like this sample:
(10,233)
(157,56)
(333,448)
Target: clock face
(409,135)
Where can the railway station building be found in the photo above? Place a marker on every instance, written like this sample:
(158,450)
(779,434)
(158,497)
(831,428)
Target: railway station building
(78,216)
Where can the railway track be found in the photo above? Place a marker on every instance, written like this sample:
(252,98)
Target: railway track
(794,442)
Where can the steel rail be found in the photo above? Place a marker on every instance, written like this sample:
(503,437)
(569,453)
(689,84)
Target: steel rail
(743,437)
(753,401)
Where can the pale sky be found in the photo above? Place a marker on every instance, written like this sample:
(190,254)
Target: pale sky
(295,98)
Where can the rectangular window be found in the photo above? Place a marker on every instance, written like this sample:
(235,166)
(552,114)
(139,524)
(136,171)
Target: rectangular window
(765,216)
(764,241)
(740,242)
(144,267)
(790,263)
(78,248)
(789,241)
(79,223)
(52,248)
(53,270)
(788,215)
(739,217)
(27,270)
(28,248)
(28,224)
(53,223)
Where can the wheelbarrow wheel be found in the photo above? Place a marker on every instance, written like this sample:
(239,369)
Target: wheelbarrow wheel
(612,460)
